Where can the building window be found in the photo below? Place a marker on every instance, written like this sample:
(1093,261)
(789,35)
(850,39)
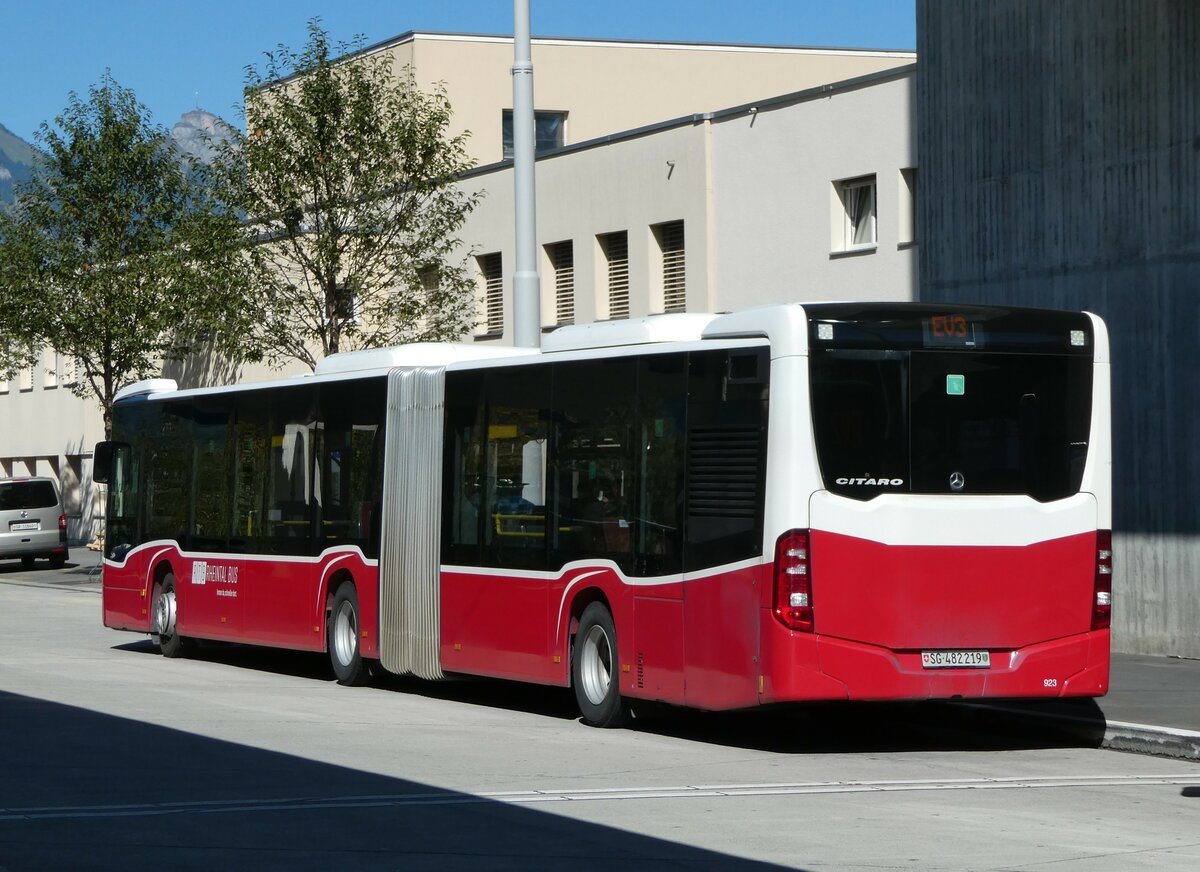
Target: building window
(491,268)
(857,197)
(345,303)
(55,361)
(431,279)
(669,237)
(908,205)
(615,247)
(549,131)
(562,261)
(70,376)
(26,378)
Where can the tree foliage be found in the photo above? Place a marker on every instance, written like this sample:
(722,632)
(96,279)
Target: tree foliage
(345,178)
(116,254)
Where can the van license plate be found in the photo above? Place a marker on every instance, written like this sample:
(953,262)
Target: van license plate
(956,659)
(24,525)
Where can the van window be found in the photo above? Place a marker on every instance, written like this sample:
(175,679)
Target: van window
(27,495)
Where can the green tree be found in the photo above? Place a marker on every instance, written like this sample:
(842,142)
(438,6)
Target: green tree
(116,253)
(345,176)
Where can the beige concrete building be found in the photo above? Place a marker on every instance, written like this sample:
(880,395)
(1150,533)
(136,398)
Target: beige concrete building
(585,89)
(672,177)
(805,196)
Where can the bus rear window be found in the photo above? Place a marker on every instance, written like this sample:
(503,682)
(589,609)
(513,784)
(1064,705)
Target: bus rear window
(947,422)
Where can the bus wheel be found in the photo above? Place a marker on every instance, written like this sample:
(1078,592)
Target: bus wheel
(594,670)
(163,631)
(344,653)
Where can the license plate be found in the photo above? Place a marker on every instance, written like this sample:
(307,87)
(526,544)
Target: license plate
(21,526)
(956,659)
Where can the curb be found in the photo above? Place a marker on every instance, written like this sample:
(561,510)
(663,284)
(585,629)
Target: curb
(1117,735)
(1147,739)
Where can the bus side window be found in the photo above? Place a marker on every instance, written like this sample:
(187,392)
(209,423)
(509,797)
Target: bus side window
(726,455)
(661,419)
(518,411)
(168,479)
(287,528)
(212,456)
(462,479)
(594,468)
(250,459)
(351,420)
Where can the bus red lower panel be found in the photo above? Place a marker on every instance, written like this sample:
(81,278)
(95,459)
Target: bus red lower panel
(497,624)
(258,600)
(921,597)
(1058,668)
(720,637)
(802,666)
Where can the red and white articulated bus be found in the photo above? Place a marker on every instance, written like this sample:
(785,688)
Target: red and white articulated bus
(798,502)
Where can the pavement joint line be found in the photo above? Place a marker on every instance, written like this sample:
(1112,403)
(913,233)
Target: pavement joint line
(235,806)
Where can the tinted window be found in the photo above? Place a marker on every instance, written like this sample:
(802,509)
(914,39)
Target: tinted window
(27,495)
(462,488)
(514,492)
(726,452)
(662,423)
(951,422)
(167,464)
(350,454)
(211,469)
(594,480)
(291,474)
(250,459)
(590,460)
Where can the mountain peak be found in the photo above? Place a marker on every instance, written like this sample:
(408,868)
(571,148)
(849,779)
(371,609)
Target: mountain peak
(198,132)
(16,162)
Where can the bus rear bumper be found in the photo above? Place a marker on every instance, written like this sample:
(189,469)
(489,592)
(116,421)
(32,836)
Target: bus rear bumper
(1073,666)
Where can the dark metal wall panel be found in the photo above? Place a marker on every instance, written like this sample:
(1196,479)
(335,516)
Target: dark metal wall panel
(1060,166)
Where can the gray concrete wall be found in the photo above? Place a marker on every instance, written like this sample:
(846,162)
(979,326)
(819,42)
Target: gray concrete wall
(1060,166)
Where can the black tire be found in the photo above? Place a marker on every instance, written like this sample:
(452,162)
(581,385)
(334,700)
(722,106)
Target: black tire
(165,617)
(595,674)
(27,563)
(343,635)
(58,561)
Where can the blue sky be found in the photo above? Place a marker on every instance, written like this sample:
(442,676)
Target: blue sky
(178,55)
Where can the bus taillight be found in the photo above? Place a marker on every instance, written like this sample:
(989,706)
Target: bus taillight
(1102,594)
(793,583)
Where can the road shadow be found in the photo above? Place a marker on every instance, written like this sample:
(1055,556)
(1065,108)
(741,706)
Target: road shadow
(84,790)
(40,567)
(799,728)
(880,727)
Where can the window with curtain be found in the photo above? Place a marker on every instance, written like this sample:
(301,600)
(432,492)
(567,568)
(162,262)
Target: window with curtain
(858,200)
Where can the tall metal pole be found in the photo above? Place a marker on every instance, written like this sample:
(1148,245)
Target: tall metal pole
(527,304)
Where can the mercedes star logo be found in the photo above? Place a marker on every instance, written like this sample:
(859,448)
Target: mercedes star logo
(24,514)
(957,482)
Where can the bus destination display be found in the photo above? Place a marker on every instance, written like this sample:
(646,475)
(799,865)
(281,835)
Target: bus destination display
(951,331)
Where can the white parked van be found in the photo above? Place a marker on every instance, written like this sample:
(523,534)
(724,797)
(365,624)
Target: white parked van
(32,521)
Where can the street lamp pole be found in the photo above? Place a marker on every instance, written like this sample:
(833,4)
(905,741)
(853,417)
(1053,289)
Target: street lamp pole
(526,285)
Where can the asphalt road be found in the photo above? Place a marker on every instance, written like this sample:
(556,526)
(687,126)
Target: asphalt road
(241,758)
